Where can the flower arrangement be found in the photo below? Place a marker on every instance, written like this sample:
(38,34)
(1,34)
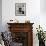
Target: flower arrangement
(40,34)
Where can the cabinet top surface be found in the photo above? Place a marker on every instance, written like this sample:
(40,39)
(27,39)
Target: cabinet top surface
(19,23)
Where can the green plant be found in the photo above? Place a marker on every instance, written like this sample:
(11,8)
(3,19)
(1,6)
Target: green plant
(40,34)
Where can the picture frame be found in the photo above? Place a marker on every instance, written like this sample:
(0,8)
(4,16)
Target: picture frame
(20,9)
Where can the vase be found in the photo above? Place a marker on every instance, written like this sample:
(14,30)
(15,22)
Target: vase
(41,43)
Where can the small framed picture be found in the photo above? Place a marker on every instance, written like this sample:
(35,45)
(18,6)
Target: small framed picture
(20,9)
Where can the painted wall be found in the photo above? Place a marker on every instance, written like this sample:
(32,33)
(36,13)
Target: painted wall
(33,13)
(43,6)
(43,14)
(0,15)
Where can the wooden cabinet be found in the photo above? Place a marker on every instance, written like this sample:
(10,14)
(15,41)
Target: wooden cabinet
(22,33)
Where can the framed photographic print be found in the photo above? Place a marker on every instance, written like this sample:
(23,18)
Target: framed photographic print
(20,9)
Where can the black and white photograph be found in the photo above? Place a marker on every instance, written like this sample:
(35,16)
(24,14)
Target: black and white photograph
(20,9)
